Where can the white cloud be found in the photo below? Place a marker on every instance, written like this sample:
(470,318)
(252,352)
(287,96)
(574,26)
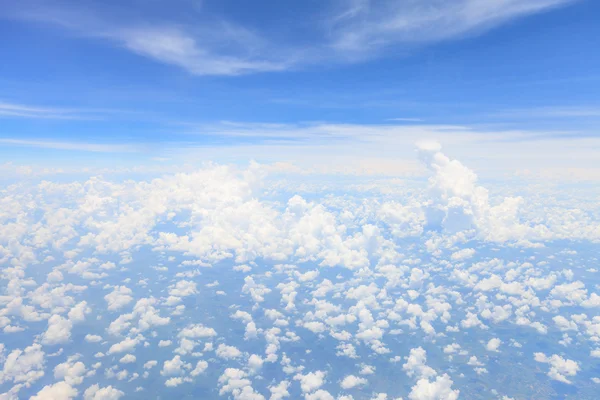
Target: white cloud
(311,381)
(93,338)
(197,331)
(118,298)
(235,381)
(183,288)
(201,366)
(123,346)
(462,254)
(560,367)
(127,359)
(280,390)
(23,366)
(71,371)
(95,392)
(493,344)
(415,364)
(57,391)
(174,366)
(255,363)
(78,313)
(150,364)
(440,388)
(59,330)
(352,381)
(228,352)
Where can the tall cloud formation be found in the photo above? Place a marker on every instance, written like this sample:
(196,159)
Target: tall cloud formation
(458,204)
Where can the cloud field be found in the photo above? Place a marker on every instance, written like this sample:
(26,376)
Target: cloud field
(227,282)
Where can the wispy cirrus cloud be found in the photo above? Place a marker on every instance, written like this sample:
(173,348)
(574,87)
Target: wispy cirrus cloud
(206,43)
(17,110)
(550,112)
(74,146)
(25,111)
(364,28)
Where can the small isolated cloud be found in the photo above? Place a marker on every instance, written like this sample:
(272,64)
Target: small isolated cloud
(352,381)
(493,344)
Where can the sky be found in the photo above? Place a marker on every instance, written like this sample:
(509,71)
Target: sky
(280,82)
(318,200)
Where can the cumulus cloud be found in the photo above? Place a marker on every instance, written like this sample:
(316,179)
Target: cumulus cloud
(57,391)
(95,392)
(59,330)
(23,366)
(352,381)
(440,388)
(227,352)
(459,204)
(118,298)
(493,344)
(71,371)
(311,381)
(560,367)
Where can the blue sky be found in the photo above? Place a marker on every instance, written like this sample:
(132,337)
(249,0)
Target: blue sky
(319,200)
(143,77)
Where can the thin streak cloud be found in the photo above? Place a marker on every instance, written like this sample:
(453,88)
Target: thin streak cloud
(348,33)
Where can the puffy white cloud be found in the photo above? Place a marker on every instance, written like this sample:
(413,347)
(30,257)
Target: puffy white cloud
(462,254)
(118,298)
(71,371)
(57,391)
(127,359)
(459,204)
(474,361)
(493,344)
(311,381)
(452,348)
(255,363)
(227,352)
(280,390)
(197,331)
(415,364)
(352,381)
(173,382)
(59,330)
(367,370)
(319,395)
(174,367)
(93,338)
(201,366)
(307,276)
(315,326)
(95,392)
(123,346)
(23,366)
(560,367)
(235,381)
(439,389)
(183,288)
(78,313)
